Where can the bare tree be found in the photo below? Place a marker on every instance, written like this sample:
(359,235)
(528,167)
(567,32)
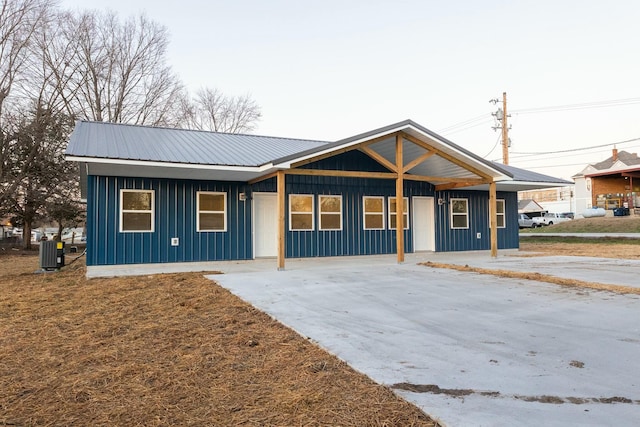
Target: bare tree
(19,22)
(112,70)
(215,111)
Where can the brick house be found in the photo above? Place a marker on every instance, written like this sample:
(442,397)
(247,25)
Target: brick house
(609,184)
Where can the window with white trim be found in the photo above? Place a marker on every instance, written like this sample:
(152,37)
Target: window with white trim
(500,214)
(330,208)
(373,212)
(137,209)
(211,207)
(459,213)
(392,213)
(301,212)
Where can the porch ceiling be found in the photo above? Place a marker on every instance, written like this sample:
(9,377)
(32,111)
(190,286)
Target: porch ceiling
(432,166)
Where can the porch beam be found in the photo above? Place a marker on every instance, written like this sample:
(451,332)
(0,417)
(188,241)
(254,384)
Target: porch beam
(262,178)
(281,216)
(461,184)
(415,162)
(378,158)
(448,157)
(493,219)
(445,181)
(399,201)
(346,174)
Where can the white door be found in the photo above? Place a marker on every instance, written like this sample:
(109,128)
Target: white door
(424,238)
(265,225)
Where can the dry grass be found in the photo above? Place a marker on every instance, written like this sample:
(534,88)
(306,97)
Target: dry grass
(573,283)
(531,247)
(166,350)
(607,224)
(595,248)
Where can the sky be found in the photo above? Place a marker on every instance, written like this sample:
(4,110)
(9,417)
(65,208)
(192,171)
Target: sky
(331,69)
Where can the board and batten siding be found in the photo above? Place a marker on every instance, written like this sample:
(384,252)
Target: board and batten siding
(450,240)
(353,239)
(174,215)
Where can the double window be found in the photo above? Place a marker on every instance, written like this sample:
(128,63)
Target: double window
(302,212)
(137,209)
(212,208)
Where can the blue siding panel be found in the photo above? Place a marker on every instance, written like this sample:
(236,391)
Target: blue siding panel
(175,216)
(448,239)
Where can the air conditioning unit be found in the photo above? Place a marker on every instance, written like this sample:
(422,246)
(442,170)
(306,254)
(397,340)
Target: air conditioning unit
(51,255)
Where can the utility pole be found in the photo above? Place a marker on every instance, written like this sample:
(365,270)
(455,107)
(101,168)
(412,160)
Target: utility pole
(501,115)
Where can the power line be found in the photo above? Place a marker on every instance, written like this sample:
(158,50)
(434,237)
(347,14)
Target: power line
(581,106)
(451,132)
(573,150)
(484,118)
(466,124)
(494,147)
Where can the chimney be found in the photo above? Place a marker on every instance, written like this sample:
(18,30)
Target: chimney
(615,155)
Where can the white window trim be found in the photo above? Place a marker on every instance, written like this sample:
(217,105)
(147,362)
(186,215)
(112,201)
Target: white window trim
(498,214)
(364,212)
(320,213)
(405,226)
(152,212)
(312,213)
(451,214)
(198,211)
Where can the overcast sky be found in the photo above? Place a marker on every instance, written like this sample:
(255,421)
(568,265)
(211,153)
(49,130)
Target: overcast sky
(334,68)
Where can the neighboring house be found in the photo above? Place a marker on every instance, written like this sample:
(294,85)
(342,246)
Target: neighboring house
(158,195)
(5,225)
(609,184)
(530,207)
(558,199)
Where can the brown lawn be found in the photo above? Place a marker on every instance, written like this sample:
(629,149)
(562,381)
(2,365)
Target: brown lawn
(597,248)
(166,350)
(177,350)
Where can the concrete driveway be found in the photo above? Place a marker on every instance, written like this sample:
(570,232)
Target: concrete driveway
(469,349)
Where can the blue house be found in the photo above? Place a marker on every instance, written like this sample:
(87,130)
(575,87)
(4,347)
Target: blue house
(159,195)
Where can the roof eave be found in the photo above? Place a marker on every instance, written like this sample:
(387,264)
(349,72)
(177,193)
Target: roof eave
(408,126)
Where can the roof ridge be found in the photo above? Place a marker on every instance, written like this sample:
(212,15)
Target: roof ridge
(202,131)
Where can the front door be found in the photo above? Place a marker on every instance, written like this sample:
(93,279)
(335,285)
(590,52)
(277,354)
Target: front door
(423,224)
(265,225)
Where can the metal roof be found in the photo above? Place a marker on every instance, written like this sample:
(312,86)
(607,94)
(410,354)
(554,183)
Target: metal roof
(155,144)
(132,150)
(529,176)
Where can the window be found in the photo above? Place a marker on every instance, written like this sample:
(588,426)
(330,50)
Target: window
(330,212)
(136,210)
(499,214)
(211,208)
(459,213)
(300,212)
(373,208)
(392,213)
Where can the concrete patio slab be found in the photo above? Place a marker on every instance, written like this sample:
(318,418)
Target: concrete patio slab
(469,349)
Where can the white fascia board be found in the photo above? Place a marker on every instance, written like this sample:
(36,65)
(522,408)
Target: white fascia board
(535,183)
(255,169)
